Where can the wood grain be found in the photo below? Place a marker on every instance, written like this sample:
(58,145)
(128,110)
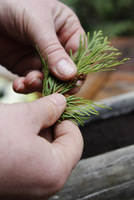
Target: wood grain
(106,177)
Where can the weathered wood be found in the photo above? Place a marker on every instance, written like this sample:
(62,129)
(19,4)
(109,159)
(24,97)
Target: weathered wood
(120,104)
(105,177)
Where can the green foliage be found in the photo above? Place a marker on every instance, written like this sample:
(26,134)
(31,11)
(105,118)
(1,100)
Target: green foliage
(114,17)
(93,55)
(78,110)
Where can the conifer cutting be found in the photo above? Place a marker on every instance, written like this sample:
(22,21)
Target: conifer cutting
(93,55)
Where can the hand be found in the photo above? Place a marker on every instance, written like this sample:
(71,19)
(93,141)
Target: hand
(34,165)
(49,24)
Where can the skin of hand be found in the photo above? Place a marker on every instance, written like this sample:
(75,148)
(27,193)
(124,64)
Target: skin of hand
(36,160)
(50,25)
(36,154)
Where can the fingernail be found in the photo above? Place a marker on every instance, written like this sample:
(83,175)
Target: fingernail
(58,99)
(19,86)
(65,68)
(38,81)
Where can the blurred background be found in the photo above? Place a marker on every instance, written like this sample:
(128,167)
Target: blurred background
(116,19)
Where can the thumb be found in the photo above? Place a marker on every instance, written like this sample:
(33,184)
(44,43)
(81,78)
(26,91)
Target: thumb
(47,110)
(60,63)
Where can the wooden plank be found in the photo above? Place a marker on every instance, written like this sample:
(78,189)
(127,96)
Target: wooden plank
(118,83)
(120,192)
(107,84)
(93,85)
(105,177)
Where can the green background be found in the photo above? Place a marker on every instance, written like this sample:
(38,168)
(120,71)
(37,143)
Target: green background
(114,17)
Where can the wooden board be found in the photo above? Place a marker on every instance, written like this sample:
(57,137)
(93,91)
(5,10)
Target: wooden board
(106,177)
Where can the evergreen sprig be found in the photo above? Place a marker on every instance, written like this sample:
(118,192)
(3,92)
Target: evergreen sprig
(78,110)
(93,55)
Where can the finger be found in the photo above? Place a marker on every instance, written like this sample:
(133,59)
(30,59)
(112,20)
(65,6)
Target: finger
(69,34)
(64,153)
(57,42)
(46,39)
(46,111)
(31,83)
(68,145)
(19,86)
(56,160)
(70,29)
(60,64)
(77,88)
(34,80)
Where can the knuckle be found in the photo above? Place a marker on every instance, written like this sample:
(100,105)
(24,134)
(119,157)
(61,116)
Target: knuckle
(53,48)
(46,112)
